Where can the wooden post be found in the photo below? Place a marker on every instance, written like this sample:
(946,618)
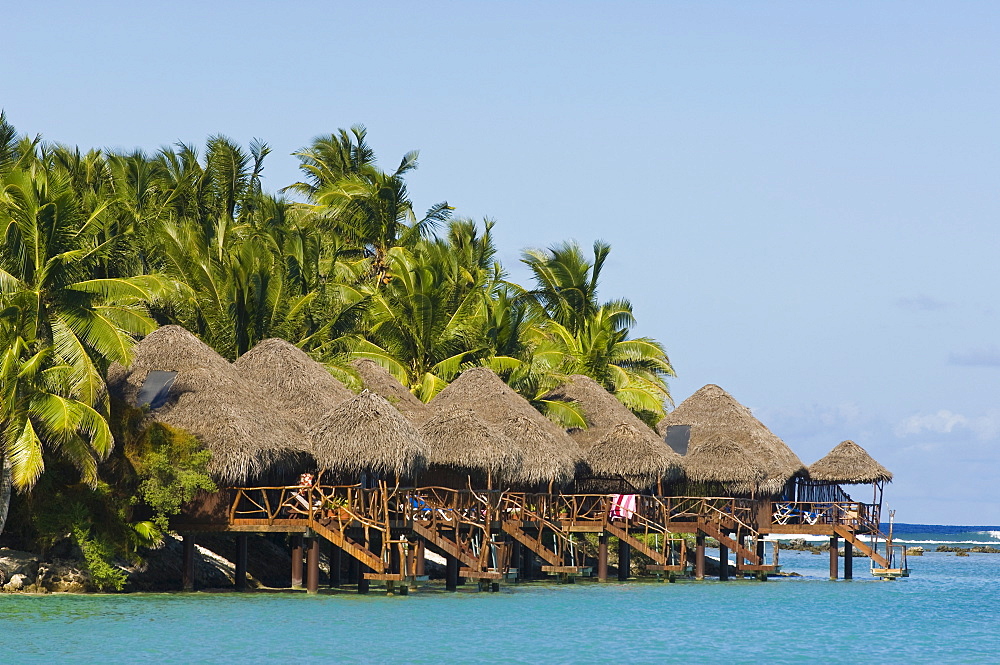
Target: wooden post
(421,557)
(834,555)
(761,574)
(848,560)
(602,557)
(312,565)
(187,566)
(241,562)
(394,561)
(699,556)
(336,563)
(624,560)
(723,563)
(353,570)
(526,570)
(296,561)
(451,573)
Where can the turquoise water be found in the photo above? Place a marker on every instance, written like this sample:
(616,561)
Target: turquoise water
(946,612)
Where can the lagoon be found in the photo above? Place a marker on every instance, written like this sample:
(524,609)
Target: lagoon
(946,612)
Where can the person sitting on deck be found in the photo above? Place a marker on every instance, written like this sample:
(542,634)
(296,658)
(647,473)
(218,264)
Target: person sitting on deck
(298,502)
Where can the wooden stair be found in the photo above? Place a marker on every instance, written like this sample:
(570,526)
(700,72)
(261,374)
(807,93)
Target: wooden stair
(734,546)
(850,537)
(359,552)
(659,558)
(446,545)
(535,545)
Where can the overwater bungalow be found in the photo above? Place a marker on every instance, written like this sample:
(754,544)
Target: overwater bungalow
(479,475)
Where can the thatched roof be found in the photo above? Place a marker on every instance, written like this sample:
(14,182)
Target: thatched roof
(246,434)
(376,378)
(366,433)
(712,411)
(720,460)
(494,401)
(294,381)
(458,438)
(545,459)
(637,456)
(602,410)
(849,463)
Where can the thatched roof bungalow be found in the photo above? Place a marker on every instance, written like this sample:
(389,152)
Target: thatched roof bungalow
(187,385)
(601,409)
(712,412)
(294,382)
(637,458)
(463,446)
(377,379)
(719,461)
(544,460)
(849,464)
(485,393)
(367,435)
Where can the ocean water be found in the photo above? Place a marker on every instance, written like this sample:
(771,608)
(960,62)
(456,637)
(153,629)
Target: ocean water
(947,611)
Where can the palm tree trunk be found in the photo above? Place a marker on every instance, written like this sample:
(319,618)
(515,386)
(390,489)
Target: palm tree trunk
(6,485)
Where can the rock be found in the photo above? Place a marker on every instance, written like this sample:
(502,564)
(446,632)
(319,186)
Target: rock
(61,576)
(961,553)
(17,582)
(914,551)
(15,562)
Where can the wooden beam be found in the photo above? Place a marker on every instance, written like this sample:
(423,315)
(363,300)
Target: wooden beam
(602,557)
(451,573)
(187,565)
(241,562)
(624,560)
(336,565)
(848,560)
(723,563)
(312,565)
(296,547)
(834,556)
(699,556)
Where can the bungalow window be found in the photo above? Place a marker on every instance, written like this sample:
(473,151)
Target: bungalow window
(155,389)
(678,437)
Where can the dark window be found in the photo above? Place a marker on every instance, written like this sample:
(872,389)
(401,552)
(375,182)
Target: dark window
(155,388)
(677,438)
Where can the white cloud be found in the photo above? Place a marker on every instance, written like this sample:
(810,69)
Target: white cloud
(985,427)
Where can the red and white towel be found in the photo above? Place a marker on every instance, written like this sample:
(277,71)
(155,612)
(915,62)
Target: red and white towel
(622,506)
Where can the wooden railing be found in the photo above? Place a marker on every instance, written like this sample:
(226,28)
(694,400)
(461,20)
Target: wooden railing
(860,517)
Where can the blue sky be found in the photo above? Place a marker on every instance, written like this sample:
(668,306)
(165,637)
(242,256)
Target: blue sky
(801,197)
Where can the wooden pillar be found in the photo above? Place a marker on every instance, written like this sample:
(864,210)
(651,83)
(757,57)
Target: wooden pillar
(336,564)
(312,565)
(624,560)
(353,570)
(296,561)
(602,557)
(421,557)
(527,568)
(451,573)
(834,555)
(187,566)
(241,562)
(516,557)
(848,560)
(723,563)
(394,559)
(699,556)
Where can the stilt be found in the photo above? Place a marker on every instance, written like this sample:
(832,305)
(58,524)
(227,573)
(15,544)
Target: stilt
(187,568)
(723,563)
(516,557)
(624,560)
(421,557)
(699,556)
(296,561)
(451,573)
(241,562)
(312,565)
(527,567)
(834,555)
(602,557)
(761,574)
(353,570)
(848,560)
(336,563)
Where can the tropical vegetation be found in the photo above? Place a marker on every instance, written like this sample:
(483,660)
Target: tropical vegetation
(100,247)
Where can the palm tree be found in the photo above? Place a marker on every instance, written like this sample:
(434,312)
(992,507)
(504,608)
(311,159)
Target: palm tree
(59,328)
(580,335)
